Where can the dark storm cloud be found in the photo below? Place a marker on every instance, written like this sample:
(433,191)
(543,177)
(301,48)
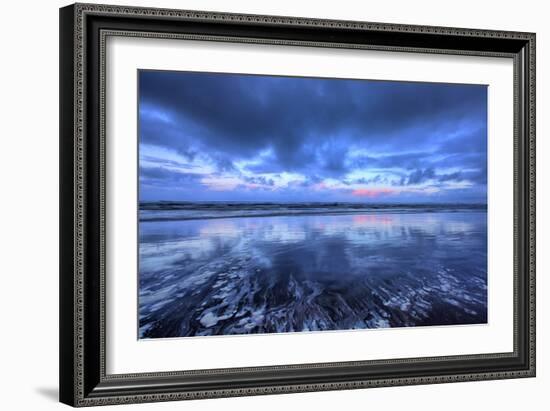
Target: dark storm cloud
(313,126)
(259,180)
(237,115)
(377,179)
(402,160)
(164,176)
(456,176)
(420,176)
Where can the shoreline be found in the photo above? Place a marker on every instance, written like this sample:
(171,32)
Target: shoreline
(287,213)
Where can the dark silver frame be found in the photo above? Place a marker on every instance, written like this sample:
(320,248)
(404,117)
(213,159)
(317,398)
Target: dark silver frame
(84,29)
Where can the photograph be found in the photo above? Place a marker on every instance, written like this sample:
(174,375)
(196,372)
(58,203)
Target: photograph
(284,200)
(277,204)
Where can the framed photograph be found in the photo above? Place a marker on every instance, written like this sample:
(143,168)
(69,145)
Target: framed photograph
(260,204)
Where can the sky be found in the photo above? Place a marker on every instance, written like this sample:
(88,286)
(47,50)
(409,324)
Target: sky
(235,137)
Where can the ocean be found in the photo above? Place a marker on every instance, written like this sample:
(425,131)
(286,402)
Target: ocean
(248,268)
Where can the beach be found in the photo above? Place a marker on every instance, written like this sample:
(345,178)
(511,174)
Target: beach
(218,269)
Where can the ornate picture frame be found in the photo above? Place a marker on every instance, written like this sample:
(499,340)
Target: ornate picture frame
(84,30)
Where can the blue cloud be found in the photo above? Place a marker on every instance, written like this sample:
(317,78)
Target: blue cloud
(231,137)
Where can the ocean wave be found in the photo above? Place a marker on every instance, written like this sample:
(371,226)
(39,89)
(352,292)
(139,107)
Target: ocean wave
(167,211)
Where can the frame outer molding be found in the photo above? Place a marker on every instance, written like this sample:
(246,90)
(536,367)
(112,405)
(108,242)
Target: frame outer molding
(73,195)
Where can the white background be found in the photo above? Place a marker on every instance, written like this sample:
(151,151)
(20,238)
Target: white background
(29,205)
(125,354)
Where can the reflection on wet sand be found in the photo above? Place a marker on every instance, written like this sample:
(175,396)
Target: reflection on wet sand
(270,274)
